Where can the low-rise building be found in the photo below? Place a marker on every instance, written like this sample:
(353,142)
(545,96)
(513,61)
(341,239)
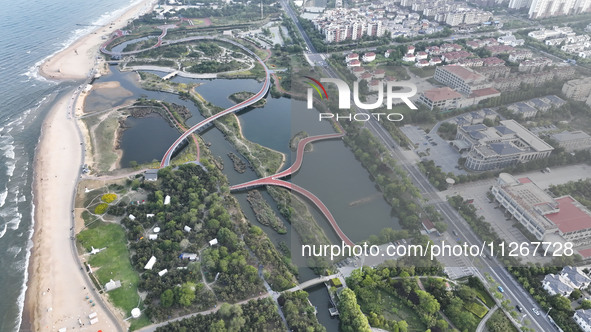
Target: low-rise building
(510,40)
(369,57)
(523,109)
(422,55)
(442,98)
(409,57)
(573,140)
(548,219)
(352,56)
(554,285)
(463,79)
(579,89)
(354,63)
(583,318)
(501,146)
(422,63)
(151,175)
(434,61)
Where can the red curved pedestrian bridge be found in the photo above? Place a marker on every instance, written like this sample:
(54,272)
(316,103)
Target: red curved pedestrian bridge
(274,180)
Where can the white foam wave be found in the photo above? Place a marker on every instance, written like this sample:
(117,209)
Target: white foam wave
(23,198)
(21,297)
(9,151)
(4,231)
(3,196)
(14,250)
(10,167)
(16,221)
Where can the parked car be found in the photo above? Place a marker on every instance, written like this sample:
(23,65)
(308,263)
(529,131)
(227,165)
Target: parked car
(501,289)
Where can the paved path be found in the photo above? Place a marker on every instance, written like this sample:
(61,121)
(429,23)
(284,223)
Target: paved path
(312,282)
(275,180)
(482,323)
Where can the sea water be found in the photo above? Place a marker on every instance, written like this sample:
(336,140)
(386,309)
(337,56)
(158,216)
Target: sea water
(32,31)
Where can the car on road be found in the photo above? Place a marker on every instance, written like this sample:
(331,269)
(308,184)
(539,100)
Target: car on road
(518,307)
(535,311)
(455,233)
(500,289)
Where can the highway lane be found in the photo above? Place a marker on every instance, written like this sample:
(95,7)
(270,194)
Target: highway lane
(513,291)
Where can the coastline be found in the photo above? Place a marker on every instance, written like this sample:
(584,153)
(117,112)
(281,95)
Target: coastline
(58,293)
(77,60)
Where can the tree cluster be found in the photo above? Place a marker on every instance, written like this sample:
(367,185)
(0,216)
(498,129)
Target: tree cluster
(199,200)
(254,316)
(299,314)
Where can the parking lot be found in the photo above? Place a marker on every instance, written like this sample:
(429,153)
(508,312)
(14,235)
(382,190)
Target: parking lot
(436,148)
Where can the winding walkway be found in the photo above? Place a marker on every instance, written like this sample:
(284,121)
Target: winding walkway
(275,181)
(258,96)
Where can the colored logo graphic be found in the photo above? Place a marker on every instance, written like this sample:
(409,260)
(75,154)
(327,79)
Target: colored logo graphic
(316,87)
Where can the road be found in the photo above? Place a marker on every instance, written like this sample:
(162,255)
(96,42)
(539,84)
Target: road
(513,291)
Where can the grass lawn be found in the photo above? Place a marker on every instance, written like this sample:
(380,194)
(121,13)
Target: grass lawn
(423,72)
(105,139)
(398,72)
(113,263)
(393,309)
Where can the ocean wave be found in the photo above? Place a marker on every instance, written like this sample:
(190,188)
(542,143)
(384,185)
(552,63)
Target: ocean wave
(9,151)
(15,222)
(4,231)
(3,196)
(14,250)
(10,167)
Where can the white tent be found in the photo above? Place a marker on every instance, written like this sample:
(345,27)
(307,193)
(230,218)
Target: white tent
(150,263)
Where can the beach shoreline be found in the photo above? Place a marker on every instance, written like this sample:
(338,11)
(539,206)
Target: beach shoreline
(58,292)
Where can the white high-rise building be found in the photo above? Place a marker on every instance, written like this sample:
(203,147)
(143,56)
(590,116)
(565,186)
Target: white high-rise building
(518,4)
(582,6)
(547,8)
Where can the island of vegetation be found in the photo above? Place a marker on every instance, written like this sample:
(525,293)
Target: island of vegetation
(239,97)
(264,213)
(295,140)
(239,165)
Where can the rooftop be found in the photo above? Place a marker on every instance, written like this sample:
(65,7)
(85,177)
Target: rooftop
(570,135)
(584,314)
(464,73)
(534,141)
(484,92)
(440,94)
(571,217)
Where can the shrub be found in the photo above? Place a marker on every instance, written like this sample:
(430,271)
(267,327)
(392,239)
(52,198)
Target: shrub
(477,309)
(108,198)
(101,208)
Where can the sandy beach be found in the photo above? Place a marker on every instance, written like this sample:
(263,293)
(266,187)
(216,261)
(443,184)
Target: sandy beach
(58,294)
(78,59)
